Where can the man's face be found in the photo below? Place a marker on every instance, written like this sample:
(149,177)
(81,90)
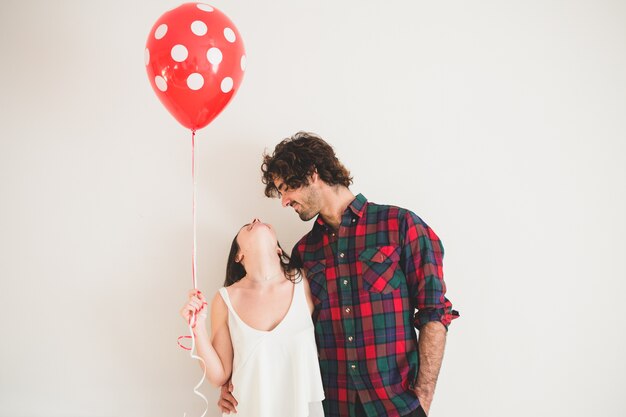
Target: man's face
(305,200)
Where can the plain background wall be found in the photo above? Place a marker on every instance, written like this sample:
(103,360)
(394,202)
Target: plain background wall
(501,123)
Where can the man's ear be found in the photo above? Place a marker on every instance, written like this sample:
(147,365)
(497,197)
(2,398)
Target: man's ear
(279,251)
(314,176)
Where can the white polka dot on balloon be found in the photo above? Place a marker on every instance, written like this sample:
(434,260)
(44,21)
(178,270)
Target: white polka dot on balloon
(205,7)
(199,28)
(229,35)
(146,56)
(160,31)
(243,62)
(179,53)
(160,83)
(227,84)
(214,55)
(195,81)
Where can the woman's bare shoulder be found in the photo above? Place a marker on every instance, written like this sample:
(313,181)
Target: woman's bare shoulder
(218,301)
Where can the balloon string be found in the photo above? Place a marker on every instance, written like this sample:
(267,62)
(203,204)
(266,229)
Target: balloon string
(195,389)
(193,177)
(194,268)
(180,344)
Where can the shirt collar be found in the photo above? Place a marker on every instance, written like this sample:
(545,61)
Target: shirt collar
(357,206)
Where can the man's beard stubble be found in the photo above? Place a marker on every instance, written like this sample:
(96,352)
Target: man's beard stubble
(309,201)
(306,216)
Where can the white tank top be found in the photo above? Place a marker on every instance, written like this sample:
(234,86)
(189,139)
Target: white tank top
(276,373)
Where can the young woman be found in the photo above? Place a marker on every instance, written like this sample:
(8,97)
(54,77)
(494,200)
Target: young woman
(261,334)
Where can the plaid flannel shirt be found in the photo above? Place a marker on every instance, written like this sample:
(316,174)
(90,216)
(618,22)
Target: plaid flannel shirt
(367,280)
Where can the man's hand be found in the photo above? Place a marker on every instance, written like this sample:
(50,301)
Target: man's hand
(227,402)
(425,399)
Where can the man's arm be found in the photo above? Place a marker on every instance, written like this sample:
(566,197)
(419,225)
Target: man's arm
(422,264)
(432,341)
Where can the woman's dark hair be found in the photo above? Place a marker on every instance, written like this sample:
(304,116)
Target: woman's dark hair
(296,158)
(235,270)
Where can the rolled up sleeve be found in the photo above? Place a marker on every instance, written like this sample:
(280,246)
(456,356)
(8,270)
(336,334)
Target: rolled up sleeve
(422,263)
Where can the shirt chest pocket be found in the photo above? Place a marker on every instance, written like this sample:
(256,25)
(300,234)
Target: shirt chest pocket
(316,274)
(379,268)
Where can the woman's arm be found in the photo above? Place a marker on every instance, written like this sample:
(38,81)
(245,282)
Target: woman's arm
(216,350)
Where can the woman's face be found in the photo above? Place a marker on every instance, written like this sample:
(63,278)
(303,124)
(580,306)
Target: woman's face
(256,236)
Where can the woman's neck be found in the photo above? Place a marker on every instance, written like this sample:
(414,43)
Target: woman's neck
(263,269)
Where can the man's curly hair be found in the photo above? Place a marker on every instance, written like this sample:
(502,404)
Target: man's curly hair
(296,158)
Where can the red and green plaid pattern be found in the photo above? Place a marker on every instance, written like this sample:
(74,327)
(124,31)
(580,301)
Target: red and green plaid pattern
(368,279)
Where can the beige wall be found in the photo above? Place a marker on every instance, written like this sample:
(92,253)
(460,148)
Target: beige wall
(501,123)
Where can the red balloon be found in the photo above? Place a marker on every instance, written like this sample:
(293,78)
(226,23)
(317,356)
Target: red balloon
(195,60)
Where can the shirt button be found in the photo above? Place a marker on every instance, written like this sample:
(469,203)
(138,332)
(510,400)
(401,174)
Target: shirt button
(341,255)
(353,366)
(348,310)
(353,220)
(332,234)
(345,282)
(350,338)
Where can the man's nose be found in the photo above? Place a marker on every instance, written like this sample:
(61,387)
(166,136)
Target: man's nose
(285,200)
